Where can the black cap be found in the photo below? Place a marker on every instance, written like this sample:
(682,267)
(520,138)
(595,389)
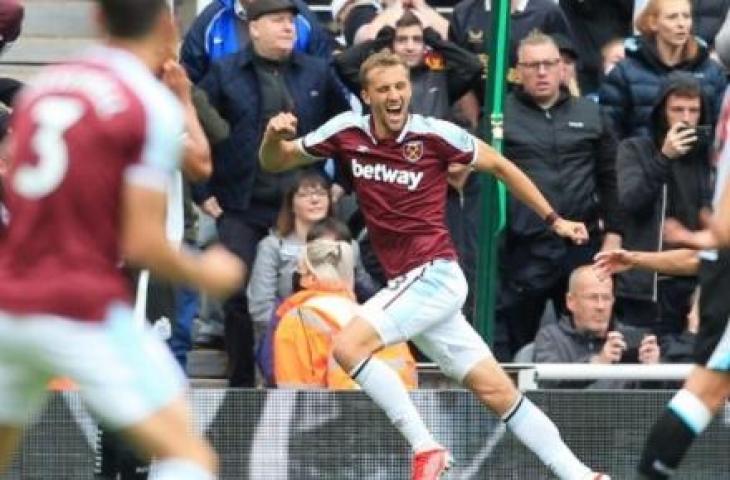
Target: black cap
(565,45)
(259,8)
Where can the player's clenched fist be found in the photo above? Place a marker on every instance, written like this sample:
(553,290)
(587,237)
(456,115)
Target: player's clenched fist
(221,272)
(282,126)
(575,231)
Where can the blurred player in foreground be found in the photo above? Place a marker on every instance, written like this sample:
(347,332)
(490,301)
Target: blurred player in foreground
(708,386)
(399,165)
(95,142)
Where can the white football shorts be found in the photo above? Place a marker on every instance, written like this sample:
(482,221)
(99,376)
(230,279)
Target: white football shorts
(124,373)
(424,306)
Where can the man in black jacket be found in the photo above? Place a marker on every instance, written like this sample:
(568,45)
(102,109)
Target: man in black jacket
(560,142)
(665,175)
(441,71)
(262,80)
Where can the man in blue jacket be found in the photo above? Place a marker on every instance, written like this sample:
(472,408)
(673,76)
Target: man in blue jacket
(221,30)
(248,88)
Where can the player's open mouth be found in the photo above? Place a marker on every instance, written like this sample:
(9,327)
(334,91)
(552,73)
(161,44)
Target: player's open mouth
(394,112)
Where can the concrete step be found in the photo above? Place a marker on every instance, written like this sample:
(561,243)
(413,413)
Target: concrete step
(206,363)
(54,18)
(21,72)
(208,383)
(42,50)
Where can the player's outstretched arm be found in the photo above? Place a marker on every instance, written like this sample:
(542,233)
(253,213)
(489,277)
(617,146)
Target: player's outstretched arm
(681,262)
(278,151)
(520,185)
(144,244)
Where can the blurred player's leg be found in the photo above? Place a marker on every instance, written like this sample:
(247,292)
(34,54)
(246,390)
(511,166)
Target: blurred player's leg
(130,381)
(168,436)
(9,439)
(535,430)
(463,356)
(23,382)
(353,351)
(425,296)
(685,418)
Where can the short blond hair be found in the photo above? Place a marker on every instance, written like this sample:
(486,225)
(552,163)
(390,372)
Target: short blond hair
(331,262)
(536,37)
(382,59)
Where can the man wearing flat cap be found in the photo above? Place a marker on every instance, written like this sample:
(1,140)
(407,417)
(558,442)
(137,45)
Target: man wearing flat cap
(265,78)
(221,29)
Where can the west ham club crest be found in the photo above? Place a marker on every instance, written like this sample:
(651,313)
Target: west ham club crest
(413,150)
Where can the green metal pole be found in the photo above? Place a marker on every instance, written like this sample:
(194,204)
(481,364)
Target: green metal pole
(493,199)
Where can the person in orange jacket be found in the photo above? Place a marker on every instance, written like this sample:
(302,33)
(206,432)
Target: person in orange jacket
(312,317)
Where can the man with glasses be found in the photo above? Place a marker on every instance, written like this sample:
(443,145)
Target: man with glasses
(589,334)
(560,142)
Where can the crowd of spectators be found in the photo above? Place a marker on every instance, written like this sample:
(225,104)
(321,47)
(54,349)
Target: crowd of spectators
(615,128)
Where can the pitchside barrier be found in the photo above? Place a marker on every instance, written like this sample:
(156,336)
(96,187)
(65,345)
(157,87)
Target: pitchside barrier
(314,435)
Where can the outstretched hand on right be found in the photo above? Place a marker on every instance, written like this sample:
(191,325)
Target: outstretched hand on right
(609,262)
(282,126)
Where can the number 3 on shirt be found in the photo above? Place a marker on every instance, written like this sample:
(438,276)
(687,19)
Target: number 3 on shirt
(53,116)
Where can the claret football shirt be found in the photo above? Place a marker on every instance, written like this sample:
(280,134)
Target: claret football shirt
(81,130)
(401,182)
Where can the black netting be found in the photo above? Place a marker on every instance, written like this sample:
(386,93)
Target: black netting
(321,435)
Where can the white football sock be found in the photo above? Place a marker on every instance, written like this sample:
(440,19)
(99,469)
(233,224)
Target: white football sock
(538,433)
(385,388)
(179,469)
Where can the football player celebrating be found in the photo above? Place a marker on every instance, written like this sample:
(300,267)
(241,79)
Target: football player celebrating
(399,165)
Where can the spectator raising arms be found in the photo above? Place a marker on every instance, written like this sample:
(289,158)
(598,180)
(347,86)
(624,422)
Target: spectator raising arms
(665,44)
(361,20)
(441,72)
